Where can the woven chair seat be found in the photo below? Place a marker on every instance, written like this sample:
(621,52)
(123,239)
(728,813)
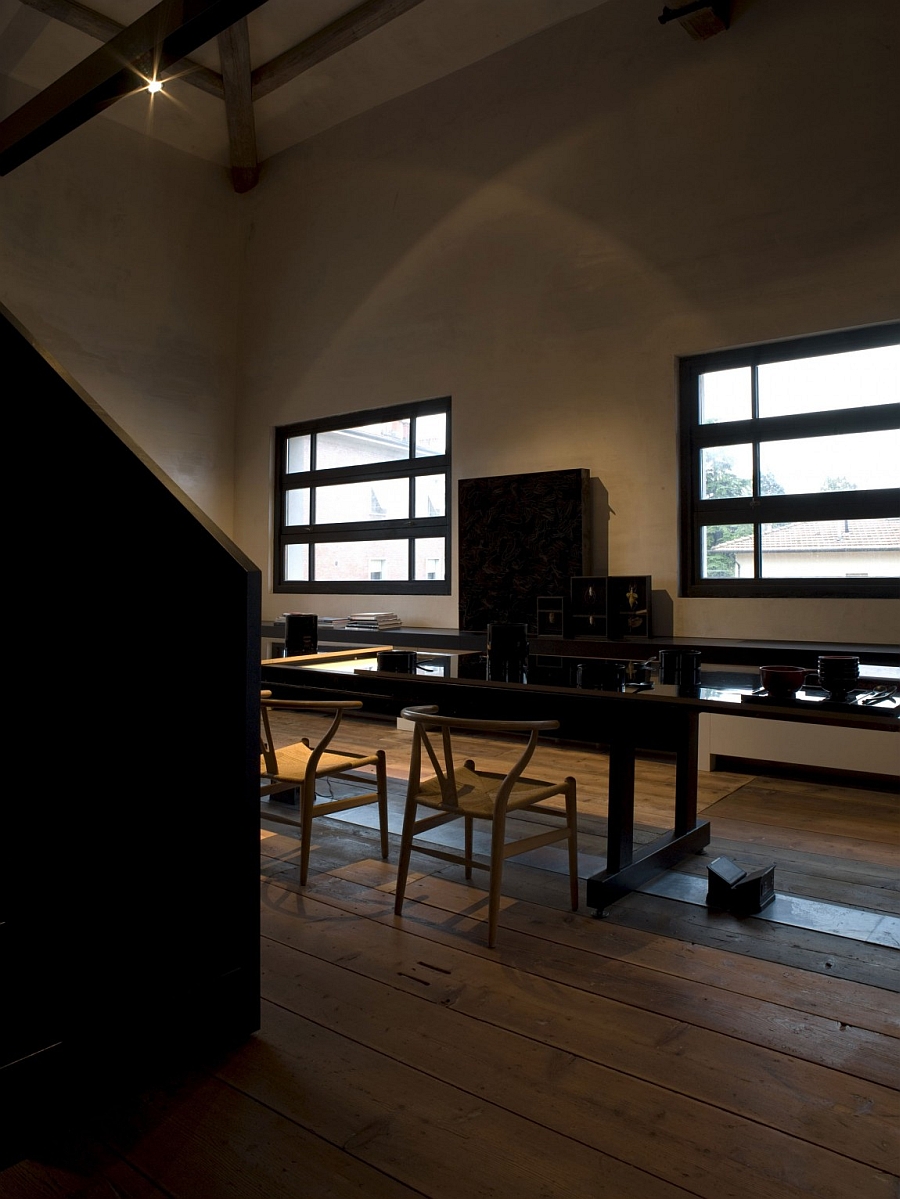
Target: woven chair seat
(293,760)
(478,795)
(291,768)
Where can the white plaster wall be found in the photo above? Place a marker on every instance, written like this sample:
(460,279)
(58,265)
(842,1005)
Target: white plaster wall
(542,234)
(122,257)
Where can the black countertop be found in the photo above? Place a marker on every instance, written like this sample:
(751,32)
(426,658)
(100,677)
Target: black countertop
(731,651)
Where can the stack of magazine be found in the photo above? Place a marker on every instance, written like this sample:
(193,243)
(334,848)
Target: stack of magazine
(373,620)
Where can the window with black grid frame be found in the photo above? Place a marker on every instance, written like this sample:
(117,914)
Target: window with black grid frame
(790,467)
(362,502)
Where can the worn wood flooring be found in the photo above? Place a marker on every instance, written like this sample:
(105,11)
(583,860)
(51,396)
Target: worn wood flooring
(662,1051)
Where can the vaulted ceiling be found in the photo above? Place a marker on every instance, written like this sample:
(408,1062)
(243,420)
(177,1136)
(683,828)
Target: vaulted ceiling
(242,79)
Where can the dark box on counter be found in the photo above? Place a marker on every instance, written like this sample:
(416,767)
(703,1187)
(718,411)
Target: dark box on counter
(587,605)
(552,614)
(301,633)
(628,606)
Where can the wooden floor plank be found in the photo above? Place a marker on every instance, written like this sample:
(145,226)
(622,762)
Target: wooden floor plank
(210,1140)
(406,1120)
(806,1100)
(657,1053)
(640,1127)
(99,1176)
(834,1042)
(810,841)
(828,956)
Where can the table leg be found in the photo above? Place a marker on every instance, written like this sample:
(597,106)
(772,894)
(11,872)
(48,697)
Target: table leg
(686,762)
(620,806)
(626,871)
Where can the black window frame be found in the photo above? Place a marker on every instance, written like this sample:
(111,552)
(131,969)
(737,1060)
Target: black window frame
(696,513)
(409,528)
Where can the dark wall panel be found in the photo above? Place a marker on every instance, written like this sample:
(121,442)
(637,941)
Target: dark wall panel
(132,843)
(520,536)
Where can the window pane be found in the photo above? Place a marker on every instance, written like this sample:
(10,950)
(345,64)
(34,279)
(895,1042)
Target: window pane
(725,395)
(431,493)
(430,552)
(297,506)
(431,435)
(367,443)
(296,564)
(726,472)
(298,454)
(843,463)
(852,380)
(378,499)
(832,549)
(350,561)
(727,551)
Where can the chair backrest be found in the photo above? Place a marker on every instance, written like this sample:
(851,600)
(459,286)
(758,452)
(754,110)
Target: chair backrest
(427,721)
(266,741)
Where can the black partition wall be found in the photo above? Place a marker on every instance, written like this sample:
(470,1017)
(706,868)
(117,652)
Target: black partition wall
(130,847)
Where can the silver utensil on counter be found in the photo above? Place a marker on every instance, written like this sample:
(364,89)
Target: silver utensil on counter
(876,696)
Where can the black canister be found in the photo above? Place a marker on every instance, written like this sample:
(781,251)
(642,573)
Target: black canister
(507,652)
(601,674)
(301,633)
(680,667)
(397,661)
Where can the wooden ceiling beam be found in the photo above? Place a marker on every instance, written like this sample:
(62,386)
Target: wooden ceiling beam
(104,29)
(340,34)
(234,54)
(162,36)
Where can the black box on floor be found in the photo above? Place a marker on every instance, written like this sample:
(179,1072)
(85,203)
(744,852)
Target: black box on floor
(721,876)
(753,892)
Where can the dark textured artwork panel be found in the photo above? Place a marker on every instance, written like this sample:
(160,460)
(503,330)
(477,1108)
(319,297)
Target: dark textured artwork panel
(520,537)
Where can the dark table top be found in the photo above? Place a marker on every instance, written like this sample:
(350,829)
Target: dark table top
(721,691)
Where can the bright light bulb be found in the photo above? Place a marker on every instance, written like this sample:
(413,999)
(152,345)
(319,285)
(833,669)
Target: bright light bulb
(154,86)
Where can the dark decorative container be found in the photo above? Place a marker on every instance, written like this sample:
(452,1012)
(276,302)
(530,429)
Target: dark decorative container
(397,661)
(520,537)
(601,674)
(507,652)
(551,616)
(679,667)
(628,606)
(588,605)
(301,633)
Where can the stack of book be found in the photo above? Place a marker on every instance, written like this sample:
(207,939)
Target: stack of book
(334,622)
(373,620)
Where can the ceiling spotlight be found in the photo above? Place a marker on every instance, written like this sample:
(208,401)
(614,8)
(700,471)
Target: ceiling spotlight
(154,86)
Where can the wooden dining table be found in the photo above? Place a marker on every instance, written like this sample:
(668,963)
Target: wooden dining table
(657,718)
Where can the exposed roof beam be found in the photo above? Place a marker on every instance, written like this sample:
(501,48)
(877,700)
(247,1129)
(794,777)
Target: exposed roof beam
(96,25)
(165,34)
(337,36)
(234,54)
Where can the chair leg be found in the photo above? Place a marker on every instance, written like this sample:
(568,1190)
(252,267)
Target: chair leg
(572,825)
(307,800)
(498,835)
(468,821)
(381,787)
(406,838)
